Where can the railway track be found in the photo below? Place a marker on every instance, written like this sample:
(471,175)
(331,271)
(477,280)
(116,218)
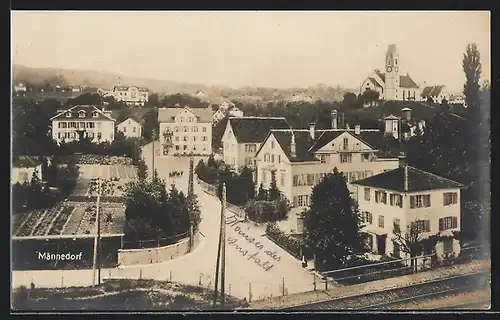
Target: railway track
(387,299)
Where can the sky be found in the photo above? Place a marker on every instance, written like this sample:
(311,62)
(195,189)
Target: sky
(256,48)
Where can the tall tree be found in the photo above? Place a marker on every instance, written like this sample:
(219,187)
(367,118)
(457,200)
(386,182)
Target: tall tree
(273,192)
(261,194)
(332,224)
(471,64)
(248,186)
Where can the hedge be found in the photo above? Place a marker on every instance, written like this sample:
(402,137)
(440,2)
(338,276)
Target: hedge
(288,243)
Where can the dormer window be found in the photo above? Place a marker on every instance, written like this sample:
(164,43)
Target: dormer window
(95,114)
(68,114)
(81,114)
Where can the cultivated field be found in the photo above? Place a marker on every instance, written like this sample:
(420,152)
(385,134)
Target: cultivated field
(71,218)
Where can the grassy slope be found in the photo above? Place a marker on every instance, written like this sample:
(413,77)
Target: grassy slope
(121,295)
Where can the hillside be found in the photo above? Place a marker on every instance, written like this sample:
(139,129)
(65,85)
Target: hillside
(214,94)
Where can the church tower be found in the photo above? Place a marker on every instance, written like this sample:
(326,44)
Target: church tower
(392,91)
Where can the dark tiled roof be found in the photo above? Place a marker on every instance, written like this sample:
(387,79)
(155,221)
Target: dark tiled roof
(418,180)
(374,82)
(432,91)
(26,162)
(374,139)
(125,88)
(255,129)
(303,143)
(325,138)
(87,112)
(405,81)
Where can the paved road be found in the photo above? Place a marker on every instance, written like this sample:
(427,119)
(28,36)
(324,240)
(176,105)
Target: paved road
(258,266)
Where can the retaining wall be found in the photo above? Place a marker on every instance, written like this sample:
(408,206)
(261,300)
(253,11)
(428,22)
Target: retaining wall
(127,257)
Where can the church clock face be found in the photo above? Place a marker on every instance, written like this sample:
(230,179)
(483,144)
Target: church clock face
(389,69)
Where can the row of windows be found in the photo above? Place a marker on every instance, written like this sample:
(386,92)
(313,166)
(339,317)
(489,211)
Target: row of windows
(416,201)
(420,226)
(272,158)
(251,147)
(266,177)
(189,119)
(226,147)
(345,157)
(250,161)
(81,114)
(186,147)
(357,175)
(134,129)
(186,138)
(75,125)
(186,129)
(307,179)
(74,135)
(395,199)
(301,200)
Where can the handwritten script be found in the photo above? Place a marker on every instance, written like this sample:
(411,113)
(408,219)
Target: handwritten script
(256,252)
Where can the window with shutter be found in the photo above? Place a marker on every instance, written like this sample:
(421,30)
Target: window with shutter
(412,202)
(454,222)
(441,224)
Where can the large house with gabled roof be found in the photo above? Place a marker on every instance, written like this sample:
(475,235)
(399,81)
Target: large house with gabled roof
(299,158)
(405,199)
(243,137)
(85,121)
(185,130)
(435,93)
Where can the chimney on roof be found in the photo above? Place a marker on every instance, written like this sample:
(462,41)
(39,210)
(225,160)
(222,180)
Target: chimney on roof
(334,119)
(357,129)
(347,126)
(404,164)
(293,150)
(311,129)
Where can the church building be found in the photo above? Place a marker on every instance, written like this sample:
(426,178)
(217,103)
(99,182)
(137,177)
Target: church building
(391,85)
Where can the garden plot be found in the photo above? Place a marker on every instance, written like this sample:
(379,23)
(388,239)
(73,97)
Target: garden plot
(46,222)
(110,188)
(112,218)
(61,220)
(74,221)
(30,220)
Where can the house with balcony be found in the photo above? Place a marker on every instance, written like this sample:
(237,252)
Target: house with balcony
(243,136)
(185,130)
(130,127)
(404,198)
(83,121)
(299,158)
(23,169)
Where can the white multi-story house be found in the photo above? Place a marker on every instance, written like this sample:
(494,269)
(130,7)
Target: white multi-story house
(23,169)
(83,120)
(185,130)
(391,85)
(131,95)
(130,128)
(458,99)
(398,198)
(243,137)
(232,112)
(300,158)
(436,93)
(21,87)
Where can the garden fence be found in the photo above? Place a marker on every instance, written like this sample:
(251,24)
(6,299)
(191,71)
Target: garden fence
(153,243)
(400,267)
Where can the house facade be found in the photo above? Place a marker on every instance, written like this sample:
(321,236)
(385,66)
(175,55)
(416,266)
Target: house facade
(130,128)
(23,169)
(21,87)
(243,136)
(131,95)
(405,199)
(185,130)
(86,121)
(391,85)
(458,99)
(435,93)
(300,159)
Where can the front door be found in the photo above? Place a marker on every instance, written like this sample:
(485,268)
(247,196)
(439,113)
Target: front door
(381,244)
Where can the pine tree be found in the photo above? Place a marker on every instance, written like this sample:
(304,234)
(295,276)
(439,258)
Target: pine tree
(142,169)
(248,186)
(262,194)
(332,224)
(273,192)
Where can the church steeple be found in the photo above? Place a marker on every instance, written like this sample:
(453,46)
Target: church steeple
(392,73)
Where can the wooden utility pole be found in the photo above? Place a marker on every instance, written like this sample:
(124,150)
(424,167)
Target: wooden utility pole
(223,254)
(98,235)
(98,214)
(153,153)
(217,265)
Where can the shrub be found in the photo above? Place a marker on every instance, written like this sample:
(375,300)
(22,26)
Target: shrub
(267,211)
(290,244)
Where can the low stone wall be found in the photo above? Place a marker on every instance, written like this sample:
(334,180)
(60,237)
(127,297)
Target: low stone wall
(127,257)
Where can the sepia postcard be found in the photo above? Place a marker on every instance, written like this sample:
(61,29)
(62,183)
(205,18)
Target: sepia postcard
(250,161)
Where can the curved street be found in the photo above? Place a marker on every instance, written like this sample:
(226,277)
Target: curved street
(256,266)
